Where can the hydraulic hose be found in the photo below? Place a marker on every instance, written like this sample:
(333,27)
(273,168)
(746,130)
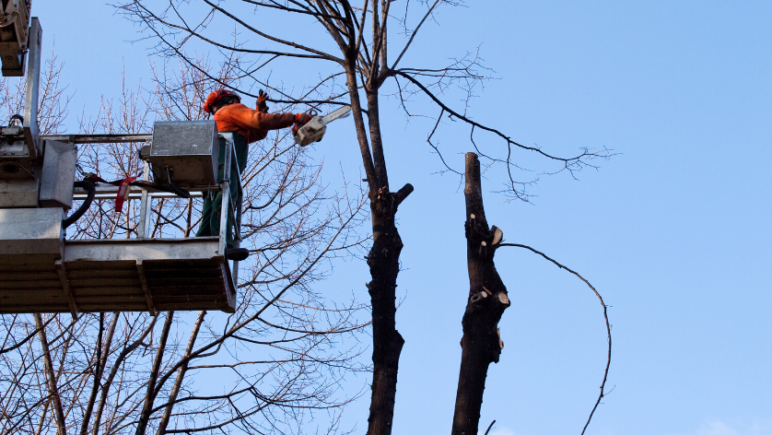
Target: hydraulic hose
(173,187)
(91,189)
(16,117)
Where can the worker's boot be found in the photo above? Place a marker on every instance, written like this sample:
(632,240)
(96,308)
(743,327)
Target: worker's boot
(237,254)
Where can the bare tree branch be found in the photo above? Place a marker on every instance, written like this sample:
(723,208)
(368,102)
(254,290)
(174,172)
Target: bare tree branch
(605,316)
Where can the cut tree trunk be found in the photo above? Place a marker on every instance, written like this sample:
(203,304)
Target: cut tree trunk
(481,343)
(383,260)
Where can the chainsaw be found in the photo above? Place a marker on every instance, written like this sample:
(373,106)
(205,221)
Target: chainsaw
(313,130)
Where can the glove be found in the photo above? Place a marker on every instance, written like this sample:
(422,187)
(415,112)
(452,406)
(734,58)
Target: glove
(300,120)
(262,106)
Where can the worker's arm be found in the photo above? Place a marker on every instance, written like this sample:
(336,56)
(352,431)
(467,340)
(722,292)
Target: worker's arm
(251,119)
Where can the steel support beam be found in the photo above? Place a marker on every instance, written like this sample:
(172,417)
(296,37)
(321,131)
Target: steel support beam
(226,192)
(146,288)
(33,86)
(62,271)
(145,206)
(98,138)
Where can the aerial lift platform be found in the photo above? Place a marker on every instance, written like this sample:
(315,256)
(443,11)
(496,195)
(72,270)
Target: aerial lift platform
(42,271)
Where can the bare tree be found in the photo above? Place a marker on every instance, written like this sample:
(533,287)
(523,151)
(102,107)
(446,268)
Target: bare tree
(481,343)
(267,368)
(352,42)
(355,43)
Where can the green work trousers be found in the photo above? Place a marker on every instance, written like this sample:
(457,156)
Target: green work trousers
(210,216)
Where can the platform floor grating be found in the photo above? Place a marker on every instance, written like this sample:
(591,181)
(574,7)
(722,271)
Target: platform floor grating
(159,276)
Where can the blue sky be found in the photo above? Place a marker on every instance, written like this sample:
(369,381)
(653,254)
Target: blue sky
(675,231)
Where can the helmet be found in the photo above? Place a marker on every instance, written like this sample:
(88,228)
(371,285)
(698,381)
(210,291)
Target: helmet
(215,98)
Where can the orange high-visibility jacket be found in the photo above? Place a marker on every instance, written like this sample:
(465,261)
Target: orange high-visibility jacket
(250,123)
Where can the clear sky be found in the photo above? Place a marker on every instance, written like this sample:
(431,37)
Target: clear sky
(675,231)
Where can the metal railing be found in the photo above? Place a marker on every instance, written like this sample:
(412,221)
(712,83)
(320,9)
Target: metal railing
(146,197)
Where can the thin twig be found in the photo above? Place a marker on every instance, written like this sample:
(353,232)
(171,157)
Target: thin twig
(489,427)
(31,334)
(566,160)
(605,316)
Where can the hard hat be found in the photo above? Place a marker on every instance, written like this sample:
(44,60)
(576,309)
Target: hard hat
(216,96)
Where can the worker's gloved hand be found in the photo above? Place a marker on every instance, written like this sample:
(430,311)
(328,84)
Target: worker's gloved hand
(300,120)
(262,106)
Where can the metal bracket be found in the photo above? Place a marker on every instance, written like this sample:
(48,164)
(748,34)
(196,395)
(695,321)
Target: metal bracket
(14,17)
(62,271)
(225,190)
(33,86)
(146,205)
(146,288)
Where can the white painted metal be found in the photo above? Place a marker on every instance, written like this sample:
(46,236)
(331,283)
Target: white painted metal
(33,86)
(98,138)
(57,175)
(109,192)
(19,193)
(149,275)
(66,289)
(146,249)
(13,147)
(225,189)
(144,209)
(15,14)
(145,287)
(119,275)
(36,231)
(41,272)
(189,148)
(237,221)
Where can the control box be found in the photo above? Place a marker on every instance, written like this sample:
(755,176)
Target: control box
(189,148)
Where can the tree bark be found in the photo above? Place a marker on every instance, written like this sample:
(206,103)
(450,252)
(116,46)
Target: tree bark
(180,375)
(383,260)
(150,395)
(61,427)
(481,343)
(117,364)
(102,352)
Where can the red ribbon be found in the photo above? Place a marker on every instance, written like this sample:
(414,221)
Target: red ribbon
(123,193)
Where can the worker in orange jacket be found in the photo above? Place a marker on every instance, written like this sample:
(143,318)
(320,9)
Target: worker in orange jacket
(247,126)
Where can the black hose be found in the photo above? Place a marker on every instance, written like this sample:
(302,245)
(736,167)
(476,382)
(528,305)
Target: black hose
(161,187)
(16,116)
(151,186)
(91,189)
(173,187)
